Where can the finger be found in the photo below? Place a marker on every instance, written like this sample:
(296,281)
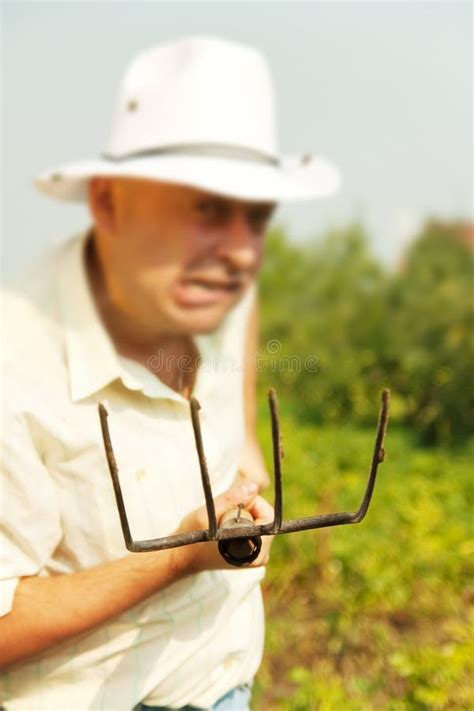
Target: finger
(237,494)
(264,557)
(261,510)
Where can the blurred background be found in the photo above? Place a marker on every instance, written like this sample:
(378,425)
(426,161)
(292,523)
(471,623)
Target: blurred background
(372,288)
(377,616)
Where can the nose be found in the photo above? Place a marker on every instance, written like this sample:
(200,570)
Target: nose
(240,246)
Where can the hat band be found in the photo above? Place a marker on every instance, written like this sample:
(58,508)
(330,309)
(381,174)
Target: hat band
(207,150)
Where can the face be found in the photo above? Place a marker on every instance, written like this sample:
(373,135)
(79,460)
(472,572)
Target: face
(174,258)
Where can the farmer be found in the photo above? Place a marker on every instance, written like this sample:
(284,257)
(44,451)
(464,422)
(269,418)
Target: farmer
(157,300)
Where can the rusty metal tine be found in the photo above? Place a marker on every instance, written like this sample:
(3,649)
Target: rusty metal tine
(174,541)
(277,525)
(378,455)
(339,519)
(206,484)
(109,453)
(277,455)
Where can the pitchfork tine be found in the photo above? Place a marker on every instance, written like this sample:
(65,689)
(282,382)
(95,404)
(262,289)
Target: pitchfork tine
(206,484)
(109,452)
(377,457)
(340,519)
(245,531)
(277,455)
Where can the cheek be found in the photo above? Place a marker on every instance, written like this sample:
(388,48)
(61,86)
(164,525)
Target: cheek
(148,248)
(140,271)
(196,237)
(156,279)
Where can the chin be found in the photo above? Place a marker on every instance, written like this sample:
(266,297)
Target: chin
(199,321)
(204,324)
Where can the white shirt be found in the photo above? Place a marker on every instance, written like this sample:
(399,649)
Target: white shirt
(199,637)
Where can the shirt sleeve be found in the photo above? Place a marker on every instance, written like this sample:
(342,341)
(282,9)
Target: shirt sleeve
(30,526)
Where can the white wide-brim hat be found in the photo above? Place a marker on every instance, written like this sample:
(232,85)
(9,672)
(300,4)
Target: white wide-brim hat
(198,112)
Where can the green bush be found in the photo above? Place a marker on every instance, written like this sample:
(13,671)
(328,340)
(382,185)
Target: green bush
(337,327)
(372,616)
(431,304)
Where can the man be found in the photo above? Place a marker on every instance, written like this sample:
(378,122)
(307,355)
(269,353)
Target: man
(144,309)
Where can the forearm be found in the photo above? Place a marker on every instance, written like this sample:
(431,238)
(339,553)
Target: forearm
(50,610)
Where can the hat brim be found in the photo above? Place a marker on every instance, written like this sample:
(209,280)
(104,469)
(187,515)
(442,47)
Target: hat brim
(292,179)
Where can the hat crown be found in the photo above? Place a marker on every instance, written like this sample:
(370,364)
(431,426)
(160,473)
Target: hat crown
(195,91)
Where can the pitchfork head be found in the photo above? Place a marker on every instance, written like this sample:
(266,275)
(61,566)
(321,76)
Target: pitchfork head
(239,539)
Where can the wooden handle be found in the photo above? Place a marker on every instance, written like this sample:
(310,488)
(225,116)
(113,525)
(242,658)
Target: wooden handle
(239,551)
(233,517)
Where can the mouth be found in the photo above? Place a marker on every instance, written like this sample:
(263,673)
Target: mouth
(205,292)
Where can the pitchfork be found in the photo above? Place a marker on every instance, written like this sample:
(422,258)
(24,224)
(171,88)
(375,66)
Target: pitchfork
(239,539)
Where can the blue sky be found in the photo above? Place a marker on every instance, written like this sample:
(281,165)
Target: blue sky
(384,89)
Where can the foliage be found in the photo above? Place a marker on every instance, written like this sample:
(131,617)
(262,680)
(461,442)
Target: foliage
(336,327)
(433,316)
(315,303)
(376,615)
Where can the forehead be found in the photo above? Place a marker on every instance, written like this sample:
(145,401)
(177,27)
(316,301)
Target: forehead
(174,194)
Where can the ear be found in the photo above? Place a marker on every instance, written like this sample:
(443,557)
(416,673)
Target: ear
(102,203)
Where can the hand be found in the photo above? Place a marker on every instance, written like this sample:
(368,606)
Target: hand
(205,556)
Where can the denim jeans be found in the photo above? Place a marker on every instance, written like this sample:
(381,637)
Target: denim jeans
(237,699)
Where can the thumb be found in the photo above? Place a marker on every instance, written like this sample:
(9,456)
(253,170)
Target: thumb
(235,495)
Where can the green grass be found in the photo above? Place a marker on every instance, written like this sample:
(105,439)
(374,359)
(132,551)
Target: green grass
(376,615)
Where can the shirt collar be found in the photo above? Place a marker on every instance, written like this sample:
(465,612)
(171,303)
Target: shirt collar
(93,362)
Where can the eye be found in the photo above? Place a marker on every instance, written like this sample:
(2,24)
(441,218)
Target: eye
(259,216)
(211,210)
